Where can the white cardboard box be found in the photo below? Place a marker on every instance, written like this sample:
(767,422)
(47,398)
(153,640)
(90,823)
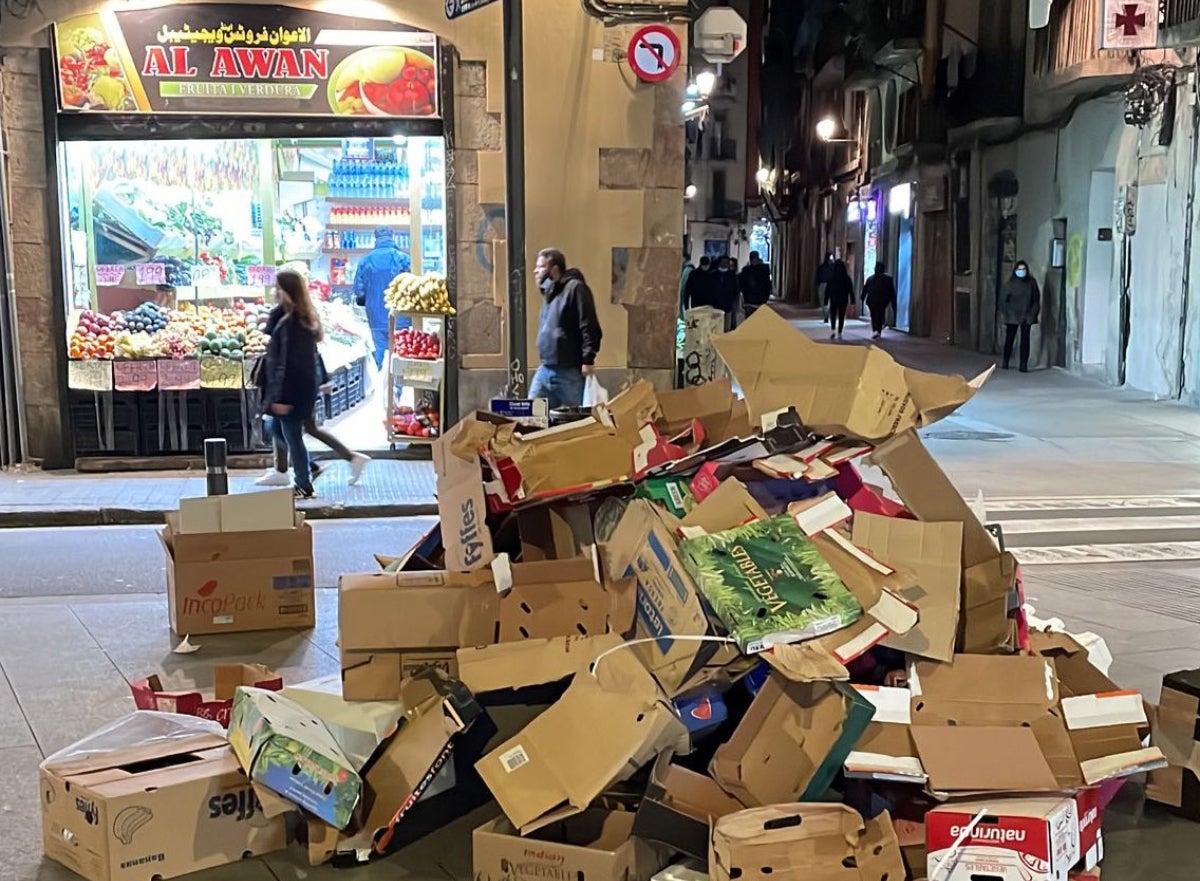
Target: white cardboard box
(1034,839)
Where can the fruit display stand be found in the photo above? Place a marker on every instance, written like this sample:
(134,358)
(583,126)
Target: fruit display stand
(416,373)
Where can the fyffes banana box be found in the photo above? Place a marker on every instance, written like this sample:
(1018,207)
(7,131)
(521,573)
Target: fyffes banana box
(152,812)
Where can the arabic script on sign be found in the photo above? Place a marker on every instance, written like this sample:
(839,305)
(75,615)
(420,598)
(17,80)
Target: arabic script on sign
(109,274)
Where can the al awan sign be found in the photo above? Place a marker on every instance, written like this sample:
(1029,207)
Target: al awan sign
(234,60)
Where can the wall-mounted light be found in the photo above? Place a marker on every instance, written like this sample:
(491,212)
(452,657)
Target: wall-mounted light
(689,191)
(692,92)
(900,199)
(830,129)
(854,212)
(763,175)
(706,81)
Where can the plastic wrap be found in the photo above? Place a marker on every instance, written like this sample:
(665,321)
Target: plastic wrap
(141,733)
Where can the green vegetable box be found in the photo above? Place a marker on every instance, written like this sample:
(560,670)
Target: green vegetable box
(292,753)
(768,584)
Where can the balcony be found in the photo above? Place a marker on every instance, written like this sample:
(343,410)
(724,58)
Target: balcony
(1065,56)
(1180,24)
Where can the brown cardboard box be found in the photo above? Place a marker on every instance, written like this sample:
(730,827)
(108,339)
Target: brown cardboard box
(1175,723)
(228,582)
(804,842)
(679,807)
(153,812)
(462,508)
(596,845)
(512,666)
(392,623)
(720,411)
(814,724)
(850,390)
(886,751)
(603,729)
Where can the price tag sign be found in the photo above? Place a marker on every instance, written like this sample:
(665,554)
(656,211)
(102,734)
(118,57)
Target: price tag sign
(135,376)
(151,273)
(218,372)
(109,274)
(178,375)
(206,276)
(261,275)
(92,376)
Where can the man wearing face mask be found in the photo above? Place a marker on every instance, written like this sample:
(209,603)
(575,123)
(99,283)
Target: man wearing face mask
(1020,306)
(726,290)
(569,332)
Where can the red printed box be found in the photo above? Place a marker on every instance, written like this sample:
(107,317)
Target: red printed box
(1034,839)
(149,694)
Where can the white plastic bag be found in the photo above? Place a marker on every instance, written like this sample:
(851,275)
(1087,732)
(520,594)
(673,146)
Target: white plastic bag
(593,392)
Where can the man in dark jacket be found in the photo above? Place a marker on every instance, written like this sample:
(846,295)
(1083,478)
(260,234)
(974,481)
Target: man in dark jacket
(755,282)
(725,290)
(375,272)
(879,293)
(568,332)
(698,291)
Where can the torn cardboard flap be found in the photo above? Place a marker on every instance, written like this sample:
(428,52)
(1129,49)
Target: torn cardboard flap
(804,842)
(815,724)
(879,593)
(729,505)
(825,657)
(462,508)
(932,551)
(604,728)
(849,390)
(679,806)
(722,413)
(516,665)
(886,750)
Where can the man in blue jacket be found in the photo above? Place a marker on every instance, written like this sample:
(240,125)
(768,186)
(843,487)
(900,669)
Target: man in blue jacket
(569,333)
(374,274)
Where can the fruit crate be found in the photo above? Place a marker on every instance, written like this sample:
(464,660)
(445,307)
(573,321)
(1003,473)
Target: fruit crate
(163,409)
(90,423)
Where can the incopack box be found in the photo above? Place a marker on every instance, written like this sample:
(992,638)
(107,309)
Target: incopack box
(1017,840)
(228,582)
(155,811)
(596,845)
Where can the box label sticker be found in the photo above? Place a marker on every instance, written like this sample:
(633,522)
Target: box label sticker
(514,758)
(291,582)
(223,619)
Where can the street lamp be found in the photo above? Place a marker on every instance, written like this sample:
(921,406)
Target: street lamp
(690,191)
(763,175)
(706,81)
(828,128)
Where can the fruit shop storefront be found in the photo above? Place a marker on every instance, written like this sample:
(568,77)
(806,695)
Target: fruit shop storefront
(199,150)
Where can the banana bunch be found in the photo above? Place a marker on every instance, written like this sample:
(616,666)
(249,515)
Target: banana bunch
(416,293)
(129,821)
(128,345)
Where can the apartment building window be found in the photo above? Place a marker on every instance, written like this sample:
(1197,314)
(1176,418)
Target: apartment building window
(718,193)
(961,199)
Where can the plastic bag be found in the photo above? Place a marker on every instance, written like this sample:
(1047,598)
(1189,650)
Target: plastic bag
(593,392)
(134,735)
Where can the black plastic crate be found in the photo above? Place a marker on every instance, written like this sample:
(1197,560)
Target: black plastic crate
(154,407)
(89,414)
(228,415)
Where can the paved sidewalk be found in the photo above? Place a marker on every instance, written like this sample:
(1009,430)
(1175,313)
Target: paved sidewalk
(389,488)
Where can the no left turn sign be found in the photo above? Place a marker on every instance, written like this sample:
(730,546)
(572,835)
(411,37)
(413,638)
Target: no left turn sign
(654,53)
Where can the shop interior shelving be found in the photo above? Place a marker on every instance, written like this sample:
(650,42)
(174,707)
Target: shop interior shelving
(424,378)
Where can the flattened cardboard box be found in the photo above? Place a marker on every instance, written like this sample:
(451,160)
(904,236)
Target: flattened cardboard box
(1176,722)
(462,508)
(679,807)
(393,623)
(603,729)
(814,724)
(804,842)
(850,390)
(133,816)
(514,666)
(229,582)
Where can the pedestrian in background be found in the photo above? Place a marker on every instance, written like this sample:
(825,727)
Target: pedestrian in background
(569,332)
(879,293)
(725,290)
(1020,307)
(755,282)
(824,276)
(839,294)
(698,291)
(375,272)
(290,379)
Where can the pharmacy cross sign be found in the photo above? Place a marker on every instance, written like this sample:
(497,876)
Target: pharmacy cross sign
(654,53)
(1129,24)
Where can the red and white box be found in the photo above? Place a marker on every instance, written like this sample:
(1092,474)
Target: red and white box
(1089,803)
(1035,839)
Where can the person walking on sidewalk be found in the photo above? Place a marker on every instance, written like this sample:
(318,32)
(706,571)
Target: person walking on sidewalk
(371,279)
(698,289)
(824,276)
(755,282)
(1020,307)
(725,291)
(839,294)
(879,293)
(290,375)
(568,339)
(277,476)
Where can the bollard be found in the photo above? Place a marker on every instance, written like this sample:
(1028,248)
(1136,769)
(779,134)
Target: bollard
(215,457)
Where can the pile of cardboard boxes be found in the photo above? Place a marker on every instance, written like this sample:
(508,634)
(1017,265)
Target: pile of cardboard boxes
(735,657)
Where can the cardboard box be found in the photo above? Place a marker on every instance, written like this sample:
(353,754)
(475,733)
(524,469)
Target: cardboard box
(462,508)
(852,390)
(392,624)
(679,807)
(272,736)
(229,582)
(1091,830)
(803,842)
(163,811)
(259,511)
(596,845)
(1176,722)
(603,729)
(358,728)
(814,724)
(1017,840)
(514,667)
(723,415)
(886,751)
(149,694)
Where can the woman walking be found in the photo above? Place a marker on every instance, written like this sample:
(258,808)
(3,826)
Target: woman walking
(277,476)
(1020,307)
(290,378)
(839,294)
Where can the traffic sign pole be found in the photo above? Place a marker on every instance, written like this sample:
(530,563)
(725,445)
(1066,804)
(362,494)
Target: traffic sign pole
(514,195)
